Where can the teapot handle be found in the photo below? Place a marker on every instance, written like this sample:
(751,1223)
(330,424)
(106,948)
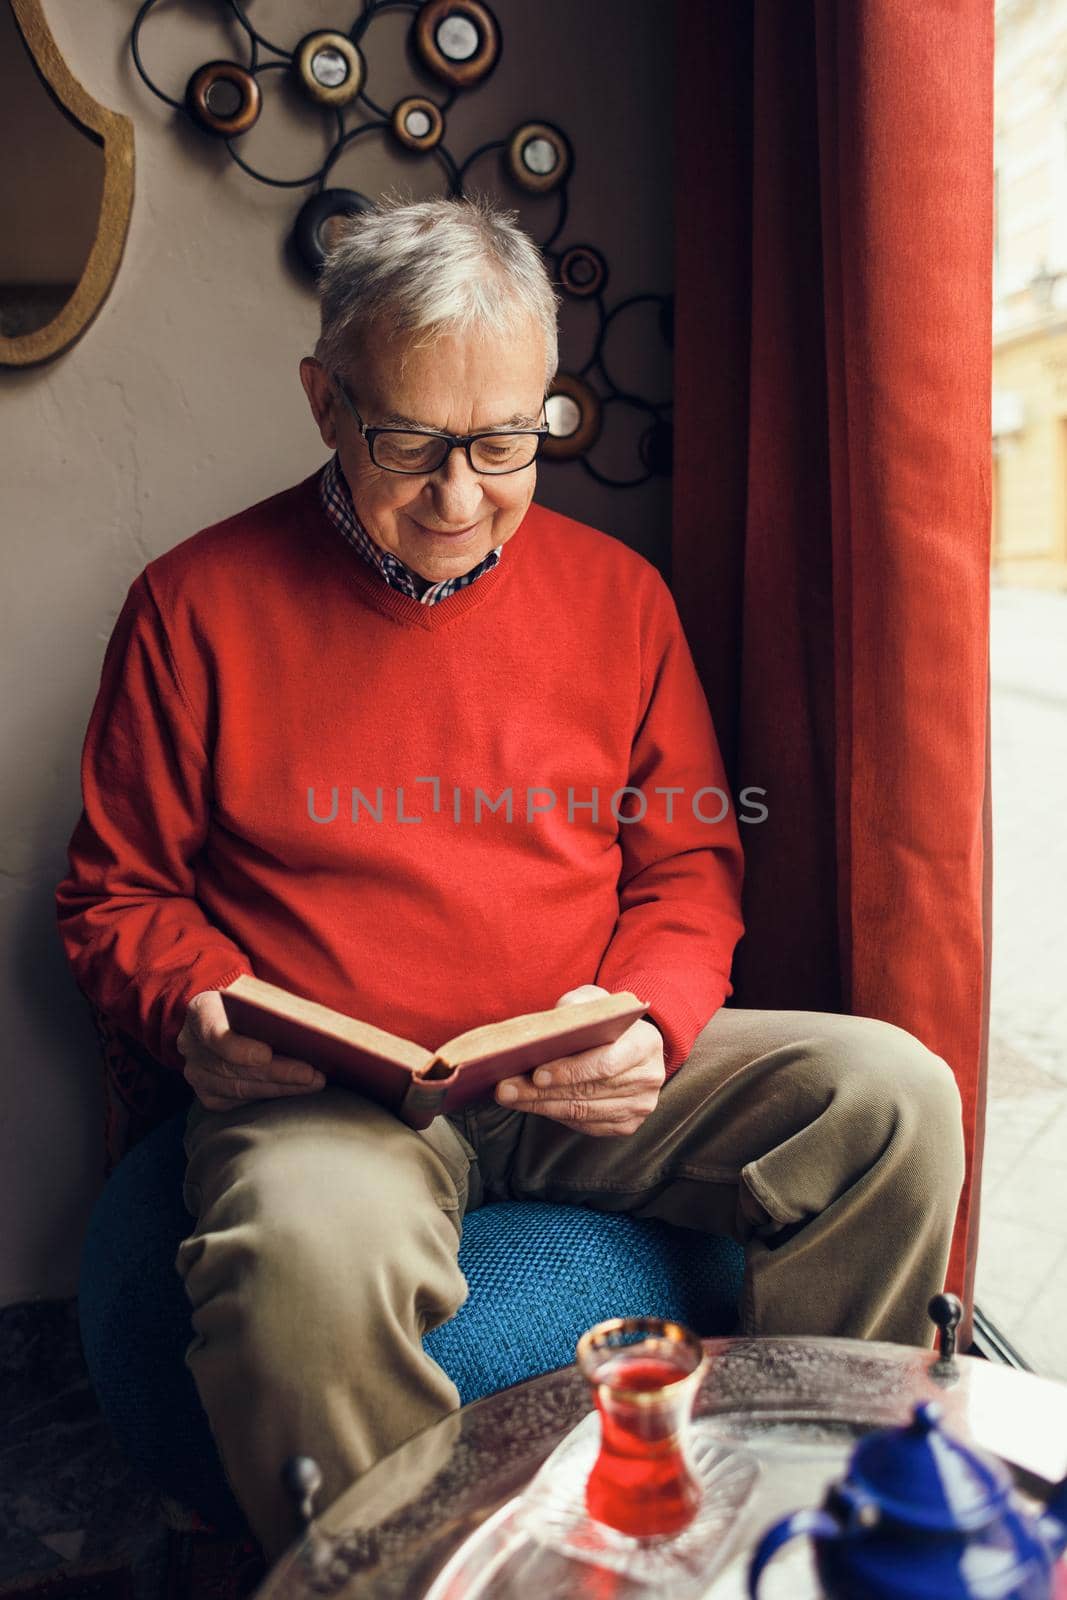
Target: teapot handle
(819,1524)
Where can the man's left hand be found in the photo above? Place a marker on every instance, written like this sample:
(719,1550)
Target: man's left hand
(608,1090)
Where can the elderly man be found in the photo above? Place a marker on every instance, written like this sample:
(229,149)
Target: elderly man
(404,741)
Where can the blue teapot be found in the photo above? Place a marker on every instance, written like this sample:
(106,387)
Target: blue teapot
(920,1514)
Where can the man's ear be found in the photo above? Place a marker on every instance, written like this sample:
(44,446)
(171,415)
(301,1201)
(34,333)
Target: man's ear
(321,399)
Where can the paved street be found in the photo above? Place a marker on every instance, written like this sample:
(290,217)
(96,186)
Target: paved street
(1022,1266)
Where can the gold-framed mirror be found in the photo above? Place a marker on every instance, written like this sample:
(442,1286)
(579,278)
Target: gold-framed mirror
(66,192)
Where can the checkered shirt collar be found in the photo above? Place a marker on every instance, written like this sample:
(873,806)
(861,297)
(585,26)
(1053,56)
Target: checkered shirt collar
(337,503)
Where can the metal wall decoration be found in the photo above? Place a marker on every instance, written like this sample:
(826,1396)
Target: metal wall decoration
(458,42)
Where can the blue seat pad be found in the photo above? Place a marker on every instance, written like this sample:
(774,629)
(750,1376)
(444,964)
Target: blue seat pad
(539,1275)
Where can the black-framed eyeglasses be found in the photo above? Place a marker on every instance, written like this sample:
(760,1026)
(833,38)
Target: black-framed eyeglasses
(425,450)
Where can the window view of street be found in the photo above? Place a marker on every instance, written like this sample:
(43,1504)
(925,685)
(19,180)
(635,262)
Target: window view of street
(1022,1263)
(1022,1266)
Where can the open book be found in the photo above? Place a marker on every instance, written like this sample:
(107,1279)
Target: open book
(418,1084)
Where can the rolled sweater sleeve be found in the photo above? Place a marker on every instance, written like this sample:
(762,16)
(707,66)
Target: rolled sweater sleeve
(136,938)
(682,870)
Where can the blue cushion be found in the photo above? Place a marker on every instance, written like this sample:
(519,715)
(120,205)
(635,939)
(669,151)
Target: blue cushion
(538,1274)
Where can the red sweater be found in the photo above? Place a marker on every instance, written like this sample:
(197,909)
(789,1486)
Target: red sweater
(261,672)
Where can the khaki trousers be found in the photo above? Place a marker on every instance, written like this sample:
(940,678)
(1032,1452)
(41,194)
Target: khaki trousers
(327,1230)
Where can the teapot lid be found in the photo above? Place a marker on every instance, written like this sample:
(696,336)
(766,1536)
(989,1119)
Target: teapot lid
(921,1475)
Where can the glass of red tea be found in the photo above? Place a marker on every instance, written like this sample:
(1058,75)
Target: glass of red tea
(644,1373)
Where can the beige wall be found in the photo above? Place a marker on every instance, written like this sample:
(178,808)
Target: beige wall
(182,404)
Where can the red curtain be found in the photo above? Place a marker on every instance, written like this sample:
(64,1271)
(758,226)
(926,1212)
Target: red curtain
(833,358)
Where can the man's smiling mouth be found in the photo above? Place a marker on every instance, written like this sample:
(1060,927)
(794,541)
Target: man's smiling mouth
(447,533)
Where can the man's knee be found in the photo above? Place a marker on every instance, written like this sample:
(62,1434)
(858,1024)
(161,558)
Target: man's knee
(896,1090)
(287,1253)
(899,1069)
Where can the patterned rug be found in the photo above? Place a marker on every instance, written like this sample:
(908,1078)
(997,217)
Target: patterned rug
(203,1567)
(80,1581)
(75,1522)
(199,1568)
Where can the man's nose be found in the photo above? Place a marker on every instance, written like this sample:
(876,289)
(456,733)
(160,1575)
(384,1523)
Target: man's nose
(455,483)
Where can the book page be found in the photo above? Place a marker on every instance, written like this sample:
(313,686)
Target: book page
(334,1024)
(496,1038)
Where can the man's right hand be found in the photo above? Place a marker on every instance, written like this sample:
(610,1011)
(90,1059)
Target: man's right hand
(228,1069)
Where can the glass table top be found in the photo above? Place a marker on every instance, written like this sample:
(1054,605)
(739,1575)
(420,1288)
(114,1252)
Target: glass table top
(447,1516)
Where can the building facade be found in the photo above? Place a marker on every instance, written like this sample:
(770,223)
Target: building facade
(1030,294)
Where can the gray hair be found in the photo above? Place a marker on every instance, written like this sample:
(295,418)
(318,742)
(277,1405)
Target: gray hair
(433,267)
